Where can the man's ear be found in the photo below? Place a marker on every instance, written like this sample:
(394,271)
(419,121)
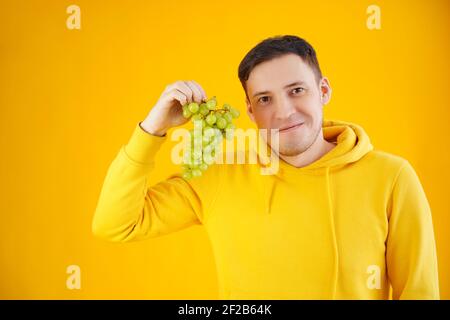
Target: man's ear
(249,110)
(325,90)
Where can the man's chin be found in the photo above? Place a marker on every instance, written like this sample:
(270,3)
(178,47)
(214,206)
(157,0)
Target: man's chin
(291,152)
(296,144)
(291,148)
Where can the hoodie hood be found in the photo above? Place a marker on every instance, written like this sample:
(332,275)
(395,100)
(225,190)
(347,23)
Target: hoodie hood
(352,143)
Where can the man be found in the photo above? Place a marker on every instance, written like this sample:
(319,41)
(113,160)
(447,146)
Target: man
(338,220)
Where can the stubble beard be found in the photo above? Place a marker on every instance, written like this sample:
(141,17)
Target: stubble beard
(296,147)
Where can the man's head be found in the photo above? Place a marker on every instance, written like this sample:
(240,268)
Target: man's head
(284,86)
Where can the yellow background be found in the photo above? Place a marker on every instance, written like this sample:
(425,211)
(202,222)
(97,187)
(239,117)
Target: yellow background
(70,98)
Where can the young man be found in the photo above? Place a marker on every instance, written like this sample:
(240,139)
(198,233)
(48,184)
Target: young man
(338,220)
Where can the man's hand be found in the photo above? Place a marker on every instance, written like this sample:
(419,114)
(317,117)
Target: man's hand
(167,112)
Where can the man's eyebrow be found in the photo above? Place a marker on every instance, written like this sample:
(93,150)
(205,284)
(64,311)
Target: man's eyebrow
(296,83)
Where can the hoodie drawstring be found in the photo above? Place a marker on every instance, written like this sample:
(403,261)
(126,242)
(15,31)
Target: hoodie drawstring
(333,232)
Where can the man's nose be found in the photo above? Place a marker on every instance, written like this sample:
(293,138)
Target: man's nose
(284,107)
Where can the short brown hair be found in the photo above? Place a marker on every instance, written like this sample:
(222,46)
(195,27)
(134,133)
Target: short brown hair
(273,47)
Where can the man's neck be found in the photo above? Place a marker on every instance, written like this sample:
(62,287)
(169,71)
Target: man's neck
(318,149)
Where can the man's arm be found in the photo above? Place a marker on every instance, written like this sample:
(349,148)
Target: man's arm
(129,210)
(411,250)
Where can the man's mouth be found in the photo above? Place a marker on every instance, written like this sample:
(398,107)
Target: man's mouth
(291,127)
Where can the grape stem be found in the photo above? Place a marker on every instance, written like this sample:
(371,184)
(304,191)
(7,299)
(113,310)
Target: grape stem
(212,111)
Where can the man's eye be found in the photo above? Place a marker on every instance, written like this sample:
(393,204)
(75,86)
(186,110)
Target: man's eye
(262,98)
(299,90)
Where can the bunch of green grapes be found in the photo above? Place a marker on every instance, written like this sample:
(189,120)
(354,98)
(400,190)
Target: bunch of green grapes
(211,125)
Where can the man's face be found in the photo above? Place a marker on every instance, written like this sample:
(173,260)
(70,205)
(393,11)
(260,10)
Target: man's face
(282,93)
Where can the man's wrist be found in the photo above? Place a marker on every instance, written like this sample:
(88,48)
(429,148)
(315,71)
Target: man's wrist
(150,130)
(142,146)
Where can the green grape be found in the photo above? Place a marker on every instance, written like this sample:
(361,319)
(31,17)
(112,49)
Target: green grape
(211,103)
(196,163)
(216,139)
(186,113)
(207,129)
(206,141)
(226,106)
(206,138)
(234,112)
(204,110)
(193,107)
(211,119)
(187,175)
(231,126)
(229,132)
(221,123)
(209,132)
(197,154)
(227,116)
(207,149)
(197,116)
(196,173)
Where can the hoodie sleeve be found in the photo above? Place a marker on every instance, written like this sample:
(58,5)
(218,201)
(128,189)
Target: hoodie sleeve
(129,210)
(411,251)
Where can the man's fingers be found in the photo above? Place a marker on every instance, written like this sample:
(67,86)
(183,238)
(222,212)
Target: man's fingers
(197,94)
(199,87)
(183,88)
(177,95)
(191,89)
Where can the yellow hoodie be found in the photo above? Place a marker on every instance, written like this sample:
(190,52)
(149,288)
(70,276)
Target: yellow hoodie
(347,226)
